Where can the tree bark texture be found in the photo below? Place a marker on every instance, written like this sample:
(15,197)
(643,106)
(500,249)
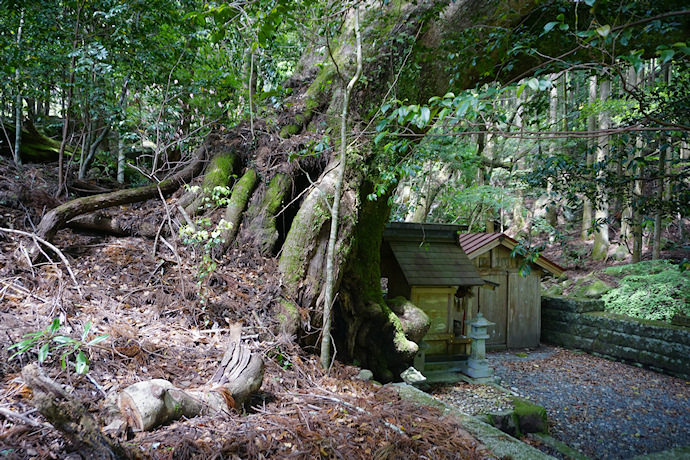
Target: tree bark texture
(601,213)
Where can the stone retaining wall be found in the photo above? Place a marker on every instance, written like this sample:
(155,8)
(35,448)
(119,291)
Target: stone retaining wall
(582,324)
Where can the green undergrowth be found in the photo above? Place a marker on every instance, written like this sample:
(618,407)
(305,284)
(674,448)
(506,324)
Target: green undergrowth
(651,290)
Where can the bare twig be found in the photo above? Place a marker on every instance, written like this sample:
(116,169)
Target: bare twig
(174,250)
(186,217)
(23,418)
(53,248)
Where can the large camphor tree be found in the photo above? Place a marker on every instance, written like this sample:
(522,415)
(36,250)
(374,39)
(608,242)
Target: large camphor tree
(283,164)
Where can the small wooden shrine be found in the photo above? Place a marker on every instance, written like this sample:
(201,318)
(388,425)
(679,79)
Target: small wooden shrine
(425,264)
(514,303)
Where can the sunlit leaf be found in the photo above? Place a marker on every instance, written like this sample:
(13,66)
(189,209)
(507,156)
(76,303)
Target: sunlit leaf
(82,365)
(604,30)
(98,339)
(43,352)
(87,328)
(549,26)
(521,88)
(424,115)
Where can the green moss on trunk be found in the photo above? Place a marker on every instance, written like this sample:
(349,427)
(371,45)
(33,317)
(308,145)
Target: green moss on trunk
(218,173)
(241,193)
(261,230)
(368,331)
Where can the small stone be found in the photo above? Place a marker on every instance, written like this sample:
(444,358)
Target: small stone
(412,376)
(365,374)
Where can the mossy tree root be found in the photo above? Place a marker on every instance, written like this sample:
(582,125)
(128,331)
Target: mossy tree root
(260,228)
(36,147)
(302,261)
(218,173)
(241,193)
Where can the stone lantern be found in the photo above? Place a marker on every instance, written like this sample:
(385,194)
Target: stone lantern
(477,365)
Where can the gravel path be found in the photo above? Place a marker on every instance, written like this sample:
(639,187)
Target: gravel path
(604,409)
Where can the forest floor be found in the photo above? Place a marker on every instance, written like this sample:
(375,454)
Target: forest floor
(146,297)
(166,320)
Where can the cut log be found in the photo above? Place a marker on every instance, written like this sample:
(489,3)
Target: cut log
(152,403)
(69,416)
(149,404)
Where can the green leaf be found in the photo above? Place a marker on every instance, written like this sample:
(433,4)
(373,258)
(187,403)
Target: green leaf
(666,55)
(424,115)
(97,339)
(462,109)
(24,344)
(521,88)
(604,30)
(589,2)
(43,352)
(544,85)
(82,363)
(549,26)
(63,339)
(380,136)
(87,328)
(55,325)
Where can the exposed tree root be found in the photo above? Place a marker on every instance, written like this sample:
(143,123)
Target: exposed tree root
(58,217)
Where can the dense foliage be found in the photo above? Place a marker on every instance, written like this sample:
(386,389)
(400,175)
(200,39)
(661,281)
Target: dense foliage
(652,290)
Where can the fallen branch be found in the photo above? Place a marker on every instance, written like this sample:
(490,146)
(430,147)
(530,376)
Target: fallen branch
(56,218)
(21,417)
(69,416)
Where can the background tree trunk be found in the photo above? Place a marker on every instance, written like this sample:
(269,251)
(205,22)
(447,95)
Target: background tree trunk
(601,215)
(587,211)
